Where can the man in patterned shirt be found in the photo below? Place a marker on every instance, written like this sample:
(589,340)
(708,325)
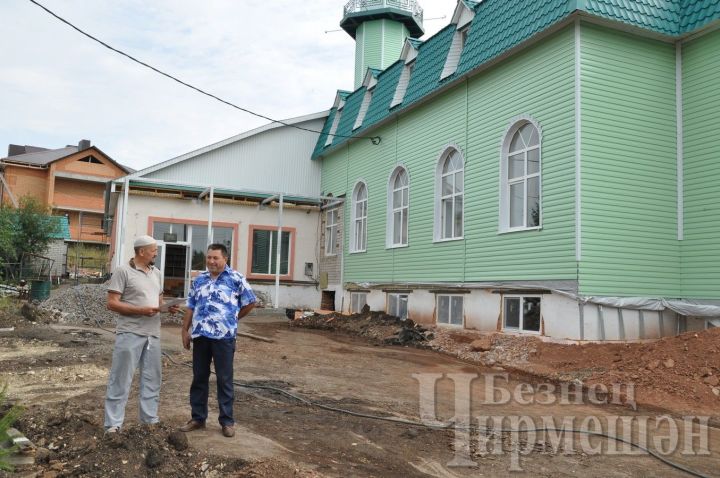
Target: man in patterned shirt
(217,299)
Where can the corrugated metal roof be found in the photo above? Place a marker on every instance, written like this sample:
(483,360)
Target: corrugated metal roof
(63,227)
(499,26)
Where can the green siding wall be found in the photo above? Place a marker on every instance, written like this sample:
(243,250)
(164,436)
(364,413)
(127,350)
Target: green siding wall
(701,112)
(629,200)
(377,45)
(473,116)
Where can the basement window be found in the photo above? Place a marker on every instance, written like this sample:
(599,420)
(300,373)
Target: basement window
(397,305)
(357,302)
(450,310)
(522,314)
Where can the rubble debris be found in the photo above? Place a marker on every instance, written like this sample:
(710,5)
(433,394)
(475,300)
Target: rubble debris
(82,304)
(377,326)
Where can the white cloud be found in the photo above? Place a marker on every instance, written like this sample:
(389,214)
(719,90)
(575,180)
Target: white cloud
(274,57)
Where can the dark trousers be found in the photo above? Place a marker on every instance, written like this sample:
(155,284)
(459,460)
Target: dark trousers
(222,353)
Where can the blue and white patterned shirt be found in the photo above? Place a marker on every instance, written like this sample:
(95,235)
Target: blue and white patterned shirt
(215,303)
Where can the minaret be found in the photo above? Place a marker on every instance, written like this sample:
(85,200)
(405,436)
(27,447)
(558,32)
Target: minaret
(380,28)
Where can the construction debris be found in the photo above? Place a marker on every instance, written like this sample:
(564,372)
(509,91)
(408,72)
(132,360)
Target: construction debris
(377,326)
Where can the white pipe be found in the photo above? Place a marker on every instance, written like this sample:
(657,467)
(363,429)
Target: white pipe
(210,216)
(122,225)
(278,254)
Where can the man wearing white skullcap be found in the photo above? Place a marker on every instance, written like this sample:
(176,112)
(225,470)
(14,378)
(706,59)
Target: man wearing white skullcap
(135,293)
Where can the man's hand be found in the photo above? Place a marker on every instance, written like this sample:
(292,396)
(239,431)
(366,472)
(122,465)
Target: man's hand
(174,309)
(186,339)
(148,311)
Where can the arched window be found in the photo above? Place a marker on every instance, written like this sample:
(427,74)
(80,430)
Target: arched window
(449,194)
(359,218)
(398,206)
(520,189)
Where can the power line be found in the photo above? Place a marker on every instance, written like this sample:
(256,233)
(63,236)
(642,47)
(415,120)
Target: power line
(373,139)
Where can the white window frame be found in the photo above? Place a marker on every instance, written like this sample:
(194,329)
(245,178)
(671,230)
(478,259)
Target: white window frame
(439,175)
(392,209)
(394,309)
(450,310)
(520,327)
(358,224)
(505,183)
(358,296)
(331,231)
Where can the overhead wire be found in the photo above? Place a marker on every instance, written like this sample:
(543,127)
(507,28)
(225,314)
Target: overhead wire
(373,139)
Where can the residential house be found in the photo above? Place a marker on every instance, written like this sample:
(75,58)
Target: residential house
(245,192)
(545,167)
(70,181)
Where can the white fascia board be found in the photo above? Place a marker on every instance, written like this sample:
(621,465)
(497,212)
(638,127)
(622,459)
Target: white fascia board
(409,52)
(225,142)
(369,81)
(462,15)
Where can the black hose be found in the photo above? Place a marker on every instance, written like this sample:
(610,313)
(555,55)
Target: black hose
(447,426)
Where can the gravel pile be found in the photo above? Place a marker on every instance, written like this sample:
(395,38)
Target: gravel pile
(85,303)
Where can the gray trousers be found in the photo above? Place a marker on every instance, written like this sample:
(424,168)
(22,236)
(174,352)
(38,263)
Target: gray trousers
(131,352)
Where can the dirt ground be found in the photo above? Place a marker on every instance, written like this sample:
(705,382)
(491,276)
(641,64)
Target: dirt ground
(58,372)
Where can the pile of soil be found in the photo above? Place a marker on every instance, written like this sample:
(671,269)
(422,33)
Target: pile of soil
(374,326)
(70,441)
(679,374)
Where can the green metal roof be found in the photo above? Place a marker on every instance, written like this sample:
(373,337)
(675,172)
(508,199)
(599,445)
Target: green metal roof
(383,94)
(63,228)
(348,115)
(428,65)
(499,26)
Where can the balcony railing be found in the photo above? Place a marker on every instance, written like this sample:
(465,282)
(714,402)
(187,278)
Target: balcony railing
(411,6)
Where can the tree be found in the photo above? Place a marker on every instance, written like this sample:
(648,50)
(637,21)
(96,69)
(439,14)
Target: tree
(29,228)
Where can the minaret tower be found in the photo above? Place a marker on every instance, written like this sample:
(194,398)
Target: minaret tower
(380,28)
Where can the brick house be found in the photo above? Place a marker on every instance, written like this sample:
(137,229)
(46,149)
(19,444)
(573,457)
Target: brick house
(70,180)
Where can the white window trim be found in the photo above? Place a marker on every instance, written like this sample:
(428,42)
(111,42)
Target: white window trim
(390,220)
(351,301)
(437,229)
(519,329)
(397,295)
(437,311)
(504,196)
(353,219)
(331,230)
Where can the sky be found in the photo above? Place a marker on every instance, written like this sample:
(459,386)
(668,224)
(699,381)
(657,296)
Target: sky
(270,56)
